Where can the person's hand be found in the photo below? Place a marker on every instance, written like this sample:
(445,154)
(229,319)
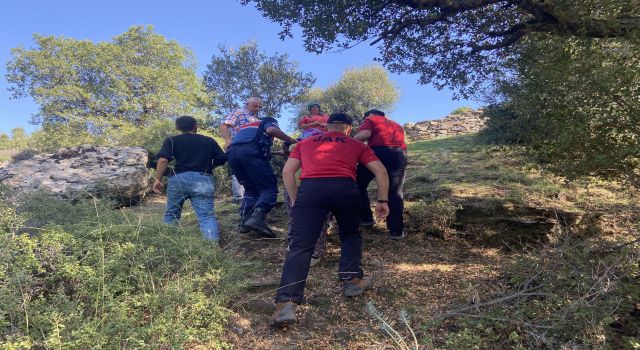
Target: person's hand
(157,186)
(226,146)
(285,149)
(292,199)
(317,123)
(382,210)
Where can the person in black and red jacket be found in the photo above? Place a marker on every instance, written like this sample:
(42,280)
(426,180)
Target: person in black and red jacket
(327,184)
(386,139)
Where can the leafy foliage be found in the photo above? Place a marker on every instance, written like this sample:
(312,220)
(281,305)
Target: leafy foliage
(89,279)
(574,104)
(134,80)
(462,44)
(462,110)
(237,74)
(357,91)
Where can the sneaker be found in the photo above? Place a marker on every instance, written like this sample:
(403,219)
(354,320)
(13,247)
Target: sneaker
(284,314)
(368,223)
(357,286)
(314,261)
(396,236)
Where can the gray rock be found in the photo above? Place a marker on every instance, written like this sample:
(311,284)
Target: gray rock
(451,125)
(74,172)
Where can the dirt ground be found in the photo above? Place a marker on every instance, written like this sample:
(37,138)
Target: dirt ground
(421,274)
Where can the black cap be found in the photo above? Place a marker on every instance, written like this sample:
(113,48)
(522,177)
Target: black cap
(314,105)
(374,111)
(340,118)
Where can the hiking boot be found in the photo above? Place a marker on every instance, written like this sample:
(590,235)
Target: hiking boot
(257,223)
(367,223)
(357,286)
(396,236)
(242,228)
(284,314)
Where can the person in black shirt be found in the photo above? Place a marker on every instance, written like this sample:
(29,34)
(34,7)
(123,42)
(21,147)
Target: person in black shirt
(195,157)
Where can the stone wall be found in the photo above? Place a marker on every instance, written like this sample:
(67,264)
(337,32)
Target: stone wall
(451,125)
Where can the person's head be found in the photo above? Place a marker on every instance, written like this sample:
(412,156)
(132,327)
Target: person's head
(186,123)
(340,122)
(314,108)
(373,112)
(254,104)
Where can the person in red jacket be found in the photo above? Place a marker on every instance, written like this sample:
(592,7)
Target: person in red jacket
(386,139)
(329,163)
(313,124)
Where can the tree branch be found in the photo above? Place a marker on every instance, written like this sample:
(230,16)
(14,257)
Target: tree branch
(510,40)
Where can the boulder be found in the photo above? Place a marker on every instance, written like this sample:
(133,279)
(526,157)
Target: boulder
(74,172)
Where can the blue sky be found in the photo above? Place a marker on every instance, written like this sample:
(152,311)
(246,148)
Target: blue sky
(200,25)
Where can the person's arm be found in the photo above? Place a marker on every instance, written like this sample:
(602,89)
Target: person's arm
(382,182)
(277,133)
(308,125)
(363,135)
(289,177)
(160,170)
(219,157)
(225,133)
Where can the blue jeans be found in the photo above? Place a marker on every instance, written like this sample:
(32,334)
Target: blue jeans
(198,188)
(254,172)
(236,188)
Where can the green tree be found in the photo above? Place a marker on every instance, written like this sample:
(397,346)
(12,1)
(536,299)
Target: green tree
(357,91)
(5,141)
(133,80)
(455,43)
(237,74)
(574,104)
(19,138)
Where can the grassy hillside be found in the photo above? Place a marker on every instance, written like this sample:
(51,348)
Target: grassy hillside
(499,255)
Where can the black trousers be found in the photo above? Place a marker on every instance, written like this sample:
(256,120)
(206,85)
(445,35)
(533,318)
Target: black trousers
(395,160)
(316,198)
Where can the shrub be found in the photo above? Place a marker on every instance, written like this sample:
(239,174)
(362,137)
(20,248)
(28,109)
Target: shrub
(504,127)
(431,217)
(462,110)
(95,280)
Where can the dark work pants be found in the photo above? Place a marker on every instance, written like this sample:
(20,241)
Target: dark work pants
(316,198)
(255,174)
(395,160)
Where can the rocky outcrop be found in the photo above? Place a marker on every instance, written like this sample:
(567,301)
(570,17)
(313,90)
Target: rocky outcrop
(451,125)
(74,172)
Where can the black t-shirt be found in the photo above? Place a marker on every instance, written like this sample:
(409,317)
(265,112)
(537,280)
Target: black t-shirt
(192,152)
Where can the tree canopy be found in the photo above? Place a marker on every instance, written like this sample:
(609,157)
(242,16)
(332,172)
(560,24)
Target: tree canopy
(357,91)
(237,74)
(457,43)
(137,78)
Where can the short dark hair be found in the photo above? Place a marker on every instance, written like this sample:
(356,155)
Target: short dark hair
(186,123)
(341,118)
(374,112)
(314,105)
